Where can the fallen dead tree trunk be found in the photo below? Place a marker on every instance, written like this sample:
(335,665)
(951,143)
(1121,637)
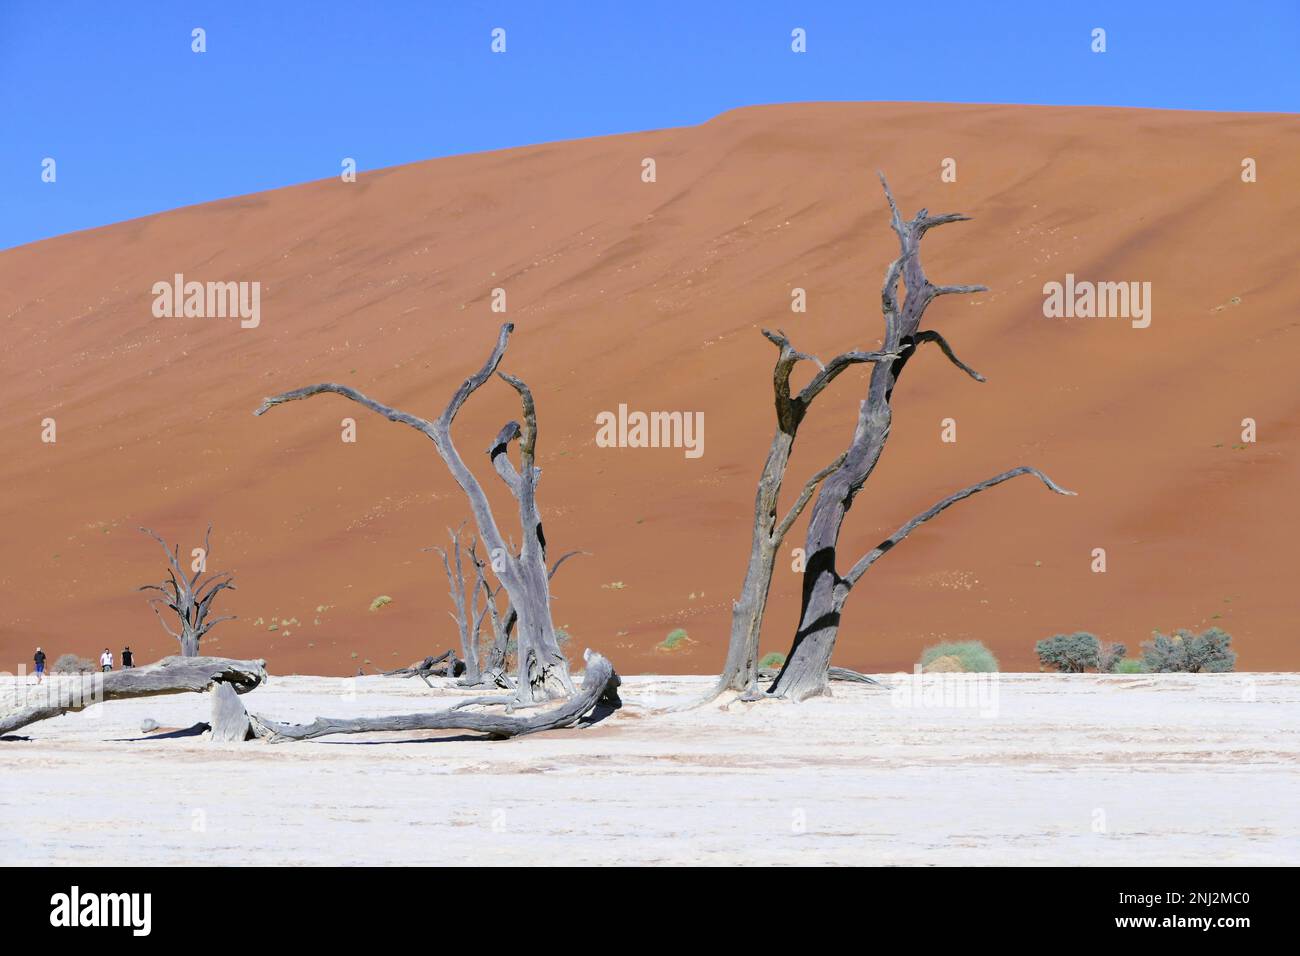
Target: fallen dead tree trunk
(60,695)
(429,667)
(835,673)
(412,669)
(426,666)
(599,692)
(853,677)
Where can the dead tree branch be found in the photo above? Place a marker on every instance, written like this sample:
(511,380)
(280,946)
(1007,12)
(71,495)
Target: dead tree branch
(422,667)
(65,694)
(599,691)
(870,558)
(467,630)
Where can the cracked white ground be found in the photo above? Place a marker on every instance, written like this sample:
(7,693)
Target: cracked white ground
(1080,769)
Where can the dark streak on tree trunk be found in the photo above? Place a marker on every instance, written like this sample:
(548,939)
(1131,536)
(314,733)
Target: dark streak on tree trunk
(824,593)
(740,671)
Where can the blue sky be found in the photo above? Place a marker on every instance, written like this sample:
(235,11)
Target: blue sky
(137,123)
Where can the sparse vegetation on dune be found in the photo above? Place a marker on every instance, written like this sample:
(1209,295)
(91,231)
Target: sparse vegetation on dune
(1077,652)
(675,639)
(1069,653)
(1188,652)
(958,656)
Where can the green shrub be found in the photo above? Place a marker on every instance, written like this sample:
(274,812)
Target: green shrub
(973,656)
(771,660)
(674,639)
(1069,653)
(1129,665)
(1186,653)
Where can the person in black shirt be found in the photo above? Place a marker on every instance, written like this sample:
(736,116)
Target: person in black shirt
(40,665)
(128,659)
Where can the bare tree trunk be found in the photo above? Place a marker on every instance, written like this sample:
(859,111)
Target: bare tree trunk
(806,670)
(456,586)
(599,693)
(495,664)
(171,675)
(543,670)
(740,671)
(494,668)
(503,625)
(229,723)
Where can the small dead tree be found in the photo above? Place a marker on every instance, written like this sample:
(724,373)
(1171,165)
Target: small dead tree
(741,668)
(825,590)
(543,669)
(467,629)
(188,597)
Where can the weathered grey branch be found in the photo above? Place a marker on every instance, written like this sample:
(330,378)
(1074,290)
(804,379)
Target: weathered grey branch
(64,694)
(852,677)
(778,535)
(834,673)
(561,559)
(929,335)
(428,664)
(599,690)
(870,558)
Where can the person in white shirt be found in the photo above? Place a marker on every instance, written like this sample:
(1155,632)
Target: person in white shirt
(106,660)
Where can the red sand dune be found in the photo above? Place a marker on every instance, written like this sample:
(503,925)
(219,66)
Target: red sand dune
(653,295)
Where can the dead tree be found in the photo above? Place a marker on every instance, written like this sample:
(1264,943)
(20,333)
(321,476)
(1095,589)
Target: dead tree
(741,668)
(825,590)
(543,669)
(597,698)
(467,629)
(171,675)
(188,597)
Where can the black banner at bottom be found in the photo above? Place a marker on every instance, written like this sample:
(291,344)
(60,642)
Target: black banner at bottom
(130,905)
